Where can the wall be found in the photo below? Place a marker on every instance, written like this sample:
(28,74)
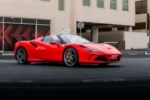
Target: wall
(141,30)
(112,37)
(148,6)
(135,40)
(38,9)
(106,15)
(108,37)
(141,18)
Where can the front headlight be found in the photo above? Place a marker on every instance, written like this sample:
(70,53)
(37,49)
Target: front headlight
(91,50)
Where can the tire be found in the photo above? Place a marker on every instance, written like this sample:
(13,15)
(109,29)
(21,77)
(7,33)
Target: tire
(104,65)
(71,59)
(22,56)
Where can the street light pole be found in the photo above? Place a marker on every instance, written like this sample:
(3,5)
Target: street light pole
(148,26)
(80,32)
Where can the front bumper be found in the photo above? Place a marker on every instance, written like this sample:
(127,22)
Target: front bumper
(101,58)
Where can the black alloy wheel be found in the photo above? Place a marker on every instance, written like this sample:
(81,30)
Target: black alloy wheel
(70,57)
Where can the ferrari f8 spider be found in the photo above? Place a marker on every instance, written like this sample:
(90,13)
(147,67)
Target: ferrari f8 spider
(66,48)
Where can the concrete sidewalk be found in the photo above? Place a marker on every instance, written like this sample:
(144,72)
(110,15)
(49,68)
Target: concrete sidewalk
(134,51)
(7,53)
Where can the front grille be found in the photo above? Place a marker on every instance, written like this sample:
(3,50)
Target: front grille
(119,58)
(113,60)
(101,58)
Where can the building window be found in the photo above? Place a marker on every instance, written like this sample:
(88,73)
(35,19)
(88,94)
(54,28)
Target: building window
(100,3)
(1,19)
(125,5)
(61,5)
(43,30)
(141,7)
(46,22)
(12,20)
(29,21)
(113,4)
(86,2)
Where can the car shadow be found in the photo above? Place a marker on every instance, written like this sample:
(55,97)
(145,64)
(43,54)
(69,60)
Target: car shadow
(97,66)
(79,66)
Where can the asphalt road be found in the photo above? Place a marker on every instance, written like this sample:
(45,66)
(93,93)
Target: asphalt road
(131,67)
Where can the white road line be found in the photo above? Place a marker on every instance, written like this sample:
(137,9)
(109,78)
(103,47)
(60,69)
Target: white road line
(9,54)
(7,61)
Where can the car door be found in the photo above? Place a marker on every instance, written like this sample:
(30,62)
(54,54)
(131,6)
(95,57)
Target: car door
(37,52)
(56,49)
(50,51)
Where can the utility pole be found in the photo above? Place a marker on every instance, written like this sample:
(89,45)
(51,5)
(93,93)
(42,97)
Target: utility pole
(80,26)
(148,28)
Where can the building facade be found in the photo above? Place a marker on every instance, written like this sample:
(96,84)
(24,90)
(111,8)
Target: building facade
(142,15)
(29,19)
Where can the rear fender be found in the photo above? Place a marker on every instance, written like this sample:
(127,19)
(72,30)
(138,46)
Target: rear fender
(30,49)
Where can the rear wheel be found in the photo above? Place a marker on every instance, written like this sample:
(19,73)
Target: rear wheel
(21,56)
(70,57)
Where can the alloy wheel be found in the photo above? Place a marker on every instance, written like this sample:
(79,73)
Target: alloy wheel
(21,56)
(70,57)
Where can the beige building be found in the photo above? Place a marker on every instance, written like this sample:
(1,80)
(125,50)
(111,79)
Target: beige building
(105,20)
(142,15)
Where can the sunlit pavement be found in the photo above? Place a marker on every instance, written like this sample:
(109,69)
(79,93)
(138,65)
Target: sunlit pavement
(129,68)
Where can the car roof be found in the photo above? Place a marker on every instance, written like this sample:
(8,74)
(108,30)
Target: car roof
(58,35)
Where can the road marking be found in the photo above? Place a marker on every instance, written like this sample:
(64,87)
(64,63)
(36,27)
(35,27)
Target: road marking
(25,81)
(8,61)
(118,79)
(8,54)
(5,80)
(96,80)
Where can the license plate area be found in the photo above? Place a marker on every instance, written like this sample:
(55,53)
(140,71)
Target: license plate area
(113,59)
(114,56)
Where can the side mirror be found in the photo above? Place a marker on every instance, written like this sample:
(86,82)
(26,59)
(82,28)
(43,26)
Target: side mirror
(54,43)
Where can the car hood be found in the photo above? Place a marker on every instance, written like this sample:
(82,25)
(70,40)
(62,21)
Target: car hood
(105,48)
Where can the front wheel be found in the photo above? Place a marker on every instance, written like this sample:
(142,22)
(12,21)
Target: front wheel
(70,57)
(21,56)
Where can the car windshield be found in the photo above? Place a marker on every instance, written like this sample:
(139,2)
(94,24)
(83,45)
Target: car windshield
(74,39)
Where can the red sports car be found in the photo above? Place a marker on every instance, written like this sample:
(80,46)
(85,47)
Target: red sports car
(66,48)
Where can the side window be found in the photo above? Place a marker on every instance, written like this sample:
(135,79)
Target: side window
(56,39)
(48,39)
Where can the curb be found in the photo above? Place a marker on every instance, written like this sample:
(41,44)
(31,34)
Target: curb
(6,54)
(135,56)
